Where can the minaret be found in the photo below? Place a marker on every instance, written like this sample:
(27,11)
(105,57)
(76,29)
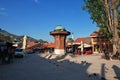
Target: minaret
(24,42)
(73,36)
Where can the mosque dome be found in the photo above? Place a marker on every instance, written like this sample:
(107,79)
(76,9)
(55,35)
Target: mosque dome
(59,27)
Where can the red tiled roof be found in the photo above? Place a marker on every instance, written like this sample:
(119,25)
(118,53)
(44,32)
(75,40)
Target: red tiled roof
(50,45)
(31,44)
(78,40)
(97,33)
(39,45)
(85,40)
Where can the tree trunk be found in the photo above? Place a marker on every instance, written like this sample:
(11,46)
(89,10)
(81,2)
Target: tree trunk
(108,15)
(112,17)
(115,25)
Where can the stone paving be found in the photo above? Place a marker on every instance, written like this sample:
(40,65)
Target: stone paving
(42,67)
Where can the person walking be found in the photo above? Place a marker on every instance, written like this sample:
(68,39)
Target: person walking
(106,53)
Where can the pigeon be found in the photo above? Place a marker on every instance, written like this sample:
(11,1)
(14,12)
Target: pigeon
(102,78)
(89,75)
(94,74)
(57,65)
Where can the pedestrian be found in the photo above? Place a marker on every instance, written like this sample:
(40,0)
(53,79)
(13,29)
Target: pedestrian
(107,57)
(119,55)
(11,53)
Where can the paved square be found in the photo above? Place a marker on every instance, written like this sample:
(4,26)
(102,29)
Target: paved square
(37,67)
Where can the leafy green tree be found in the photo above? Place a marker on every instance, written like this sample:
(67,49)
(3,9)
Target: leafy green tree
(70,40)
(106,14)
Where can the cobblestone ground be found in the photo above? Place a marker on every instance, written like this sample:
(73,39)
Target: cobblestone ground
(38,67)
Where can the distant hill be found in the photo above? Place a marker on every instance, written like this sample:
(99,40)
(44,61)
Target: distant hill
(15,38)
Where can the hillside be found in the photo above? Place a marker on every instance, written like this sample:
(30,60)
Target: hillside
(4,35)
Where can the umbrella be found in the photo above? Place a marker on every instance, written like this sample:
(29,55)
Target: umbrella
(85,45)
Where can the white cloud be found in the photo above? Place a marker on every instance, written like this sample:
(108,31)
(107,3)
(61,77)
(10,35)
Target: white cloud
(2,9)
(36,1)
(3,12)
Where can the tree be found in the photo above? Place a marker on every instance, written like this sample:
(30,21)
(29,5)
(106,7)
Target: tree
(106,14)
(70,40)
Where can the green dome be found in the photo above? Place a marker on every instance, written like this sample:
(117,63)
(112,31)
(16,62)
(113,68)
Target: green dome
(59,27)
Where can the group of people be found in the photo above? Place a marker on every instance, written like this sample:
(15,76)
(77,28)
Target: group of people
(116,56)
(6,52)
(107,55)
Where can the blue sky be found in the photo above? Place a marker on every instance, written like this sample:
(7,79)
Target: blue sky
(36,18)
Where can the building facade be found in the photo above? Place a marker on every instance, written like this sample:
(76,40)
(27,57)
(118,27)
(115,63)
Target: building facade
(99,42)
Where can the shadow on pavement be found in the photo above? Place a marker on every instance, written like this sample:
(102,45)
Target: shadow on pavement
(35,67)
(103,71)
(71,70)
(117,72)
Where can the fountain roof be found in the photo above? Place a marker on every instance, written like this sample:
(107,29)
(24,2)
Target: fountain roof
(59,27)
